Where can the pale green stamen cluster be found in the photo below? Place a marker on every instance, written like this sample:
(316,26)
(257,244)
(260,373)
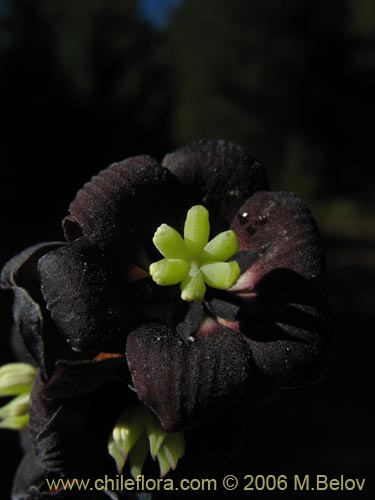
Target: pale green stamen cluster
(194,261)
(138,432)
(16,379)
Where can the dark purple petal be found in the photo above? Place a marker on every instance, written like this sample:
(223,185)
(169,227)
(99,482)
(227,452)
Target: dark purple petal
(126,200)
(288,325)
(84,294)
(279,228)
(147,292)
(221,174)
(72,230)
(187,318)
(71,416)
(185,382)
(75,378)
(223,304)
(21,270)
(31,321)
(30,483)
(30,476)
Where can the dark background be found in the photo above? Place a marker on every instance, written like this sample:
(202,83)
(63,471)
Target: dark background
(86,83)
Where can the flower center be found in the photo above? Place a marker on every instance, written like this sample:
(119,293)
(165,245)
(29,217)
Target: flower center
(194,261)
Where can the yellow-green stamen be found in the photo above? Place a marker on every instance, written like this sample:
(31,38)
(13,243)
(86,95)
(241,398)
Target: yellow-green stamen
(194,261)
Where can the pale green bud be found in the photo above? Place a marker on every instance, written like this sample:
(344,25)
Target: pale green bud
(137,432)
(16,378)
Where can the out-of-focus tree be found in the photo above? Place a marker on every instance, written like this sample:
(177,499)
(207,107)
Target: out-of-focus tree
(290,79)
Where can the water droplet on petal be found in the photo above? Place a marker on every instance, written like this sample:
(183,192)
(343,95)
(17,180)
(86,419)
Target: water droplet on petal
(243,218)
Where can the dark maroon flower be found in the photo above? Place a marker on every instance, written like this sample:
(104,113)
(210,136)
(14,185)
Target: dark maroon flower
(95,322)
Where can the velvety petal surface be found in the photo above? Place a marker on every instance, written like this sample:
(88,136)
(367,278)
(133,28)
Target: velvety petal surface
(20,275)
(71,415)
(30,476)
(74,378)
(221,174)
(84,294)
(30,484)
(288,326)
(124,203)
(277,230)
(185,382)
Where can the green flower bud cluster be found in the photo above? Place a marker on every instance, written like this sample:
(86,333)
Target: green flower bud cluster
(16,379)
(137,432)
(194,261)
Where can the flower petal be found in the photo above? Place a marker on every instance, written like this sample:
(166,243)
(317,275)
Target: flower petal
(85,297)
(75,378)
(187,317)
(30,475)
(279,228)
(224,304)
(72,414)
(119,203)
(289,329)
(220,173)
(31,322)
(184,382)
